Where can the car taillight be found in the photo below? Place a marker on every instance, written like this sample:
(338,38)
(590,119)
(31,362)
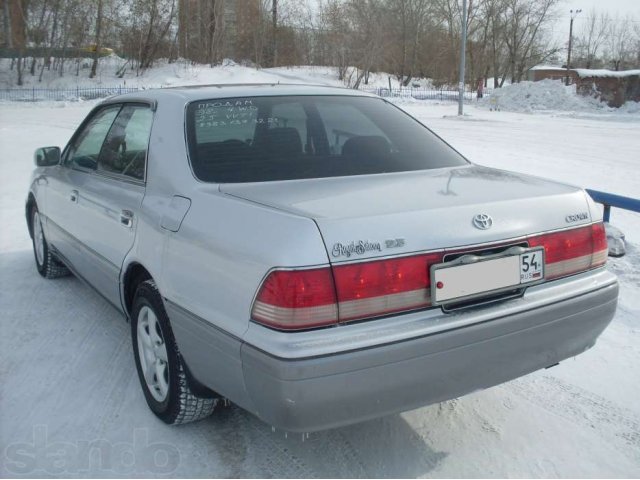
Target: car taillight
(297,299)
(301,299)
(572,251)
(380,287)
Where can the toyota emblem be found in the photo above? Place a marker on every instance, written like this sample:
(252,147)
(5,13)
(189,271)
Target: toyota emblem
(482,221)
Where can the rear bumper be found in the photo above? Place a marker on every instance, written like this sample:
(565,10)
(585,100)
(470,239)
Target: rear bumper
(309,394)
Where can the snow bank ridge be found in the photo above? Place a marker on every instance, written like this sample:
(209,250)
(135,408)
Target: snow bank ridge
(550,95)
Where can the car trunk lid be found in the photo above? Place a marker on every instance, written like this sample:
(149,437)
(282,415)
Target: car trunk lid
(365,217)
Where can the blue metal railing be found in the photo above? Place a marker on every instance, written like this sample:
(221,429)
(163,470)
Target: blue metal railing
(618,201)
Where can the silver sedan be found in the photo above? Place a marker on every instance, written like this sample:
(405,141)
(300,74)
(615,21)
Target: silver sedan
(314,254)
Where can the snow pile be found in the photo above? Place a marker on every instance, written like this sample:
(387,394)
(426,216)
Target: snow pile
(543,95)
(630,107)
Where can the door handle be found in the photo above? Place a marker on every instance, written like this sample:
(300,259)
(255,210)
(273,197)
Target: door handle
(126,218)
(74,196)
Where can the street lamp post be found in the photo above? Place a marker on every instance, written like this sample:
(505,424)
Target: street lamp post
(574,14)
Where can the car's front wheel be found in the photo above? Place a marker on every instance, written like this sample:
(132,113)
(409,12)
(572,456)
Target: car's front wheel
(47,264)
(159,363)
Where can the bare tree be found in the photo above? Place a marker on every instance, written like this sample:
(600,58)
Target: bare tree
(274,33)
(183,28)
(524,22)
(619,42)
(97,45)
(336,29)
(410,20)
(259,30)
(636,41)
(449,13)
(365,17)
(6,24)
(157,17)
(592,35)
(407,38)
(18,25)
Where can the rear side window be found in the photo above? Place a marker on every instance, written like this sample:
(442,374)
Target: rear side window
(258,139)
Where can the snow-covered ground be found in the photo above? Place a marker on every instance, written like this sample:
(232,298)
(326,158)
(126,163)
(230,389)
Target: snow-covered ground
(71,405)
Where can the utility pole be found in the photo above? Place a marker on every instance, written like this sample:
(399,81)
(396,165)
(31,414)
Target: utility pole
(463,45)
(573,15)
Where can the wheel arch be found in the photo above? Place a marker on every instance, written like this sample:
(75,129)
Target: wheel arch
(31,202)
(134,275)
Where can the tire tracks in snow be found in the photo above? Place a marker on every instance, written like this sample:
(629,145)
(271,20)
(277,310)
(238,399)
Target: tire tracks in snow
(118,379)
(581,407)
(244,447)
(268,453)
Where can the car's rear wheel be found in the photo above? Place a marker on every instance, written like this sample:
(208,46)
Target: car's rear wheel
(160,367)
(47,264)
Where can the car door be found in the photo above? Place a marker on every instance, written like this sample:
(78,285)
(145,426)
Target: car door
(109,202)
(107,199)
(79,161)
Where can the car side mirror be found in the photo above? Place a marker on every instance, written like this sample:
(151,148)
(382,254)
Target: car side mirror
(47,156)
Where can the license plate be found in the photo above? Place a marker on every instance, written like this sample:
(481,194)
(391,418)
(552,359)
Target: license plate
(459,280)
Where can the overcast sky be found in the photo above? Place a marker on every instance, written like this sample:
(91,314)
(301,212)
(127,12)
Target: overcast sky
(622,7)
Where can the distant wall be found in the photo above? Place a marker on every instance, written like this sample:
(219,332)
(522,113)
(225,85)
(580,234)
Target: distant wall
(613,90)
(536,75)
(610,86)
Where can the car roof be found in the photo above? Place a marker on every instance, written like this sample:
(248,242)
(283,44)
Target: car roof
(206,92)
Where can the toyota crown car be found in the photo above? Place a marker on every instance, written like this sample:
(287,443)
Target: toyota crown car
(314,254)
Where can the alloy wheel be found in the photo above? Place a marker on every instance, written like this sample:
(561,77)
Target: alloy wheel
(152,351)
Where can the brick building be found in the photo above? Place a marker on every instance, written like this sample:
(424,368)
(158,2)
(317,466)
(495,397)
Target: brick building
(541,72)
(613,87)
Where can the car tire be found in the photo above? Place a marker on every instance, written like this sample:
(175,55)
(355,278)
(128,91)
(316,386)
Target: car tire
(47,264)
(160,366)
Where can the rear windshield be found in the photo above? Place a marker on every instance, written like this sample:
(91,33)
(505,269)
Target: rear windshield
(259,139)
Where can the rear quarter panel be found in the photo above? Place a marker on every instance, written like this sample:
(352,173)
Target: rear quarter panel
(213,265)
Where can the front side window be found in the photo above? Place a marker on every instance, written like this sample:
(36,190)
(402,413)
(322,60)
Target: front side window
(124,150)
(258,139)
(86,147)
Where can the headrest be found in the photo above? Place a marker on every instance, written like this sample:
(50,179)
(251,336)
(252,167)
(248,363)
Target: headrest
(283,141)
(367,145)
